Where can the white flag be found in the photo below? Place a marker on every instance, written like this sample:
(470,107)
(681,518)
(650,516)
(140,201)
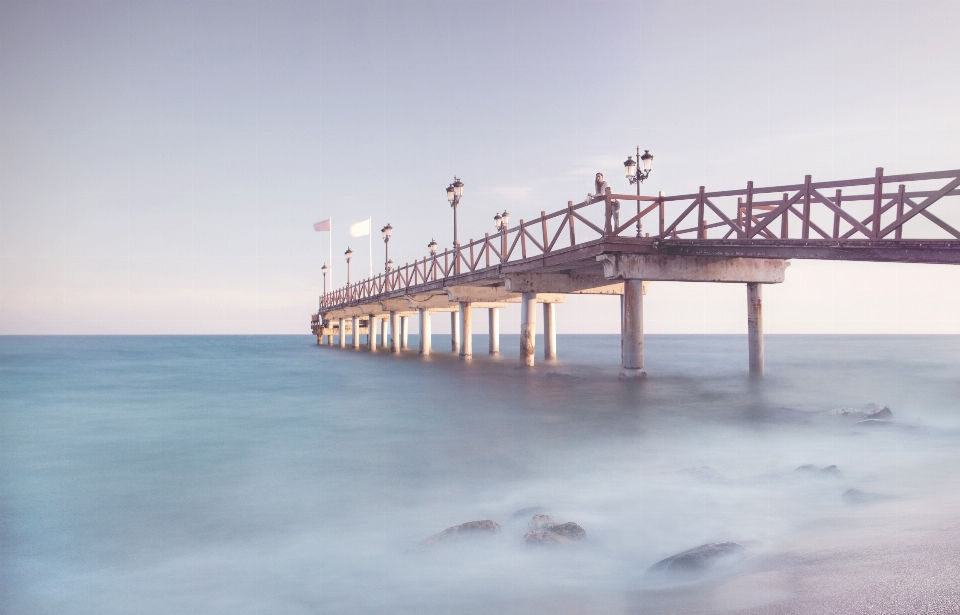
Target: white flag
(360,228)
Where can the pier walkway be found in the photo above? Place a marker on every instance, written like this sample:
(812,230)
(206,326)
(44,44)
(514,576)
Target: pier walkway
(744,236)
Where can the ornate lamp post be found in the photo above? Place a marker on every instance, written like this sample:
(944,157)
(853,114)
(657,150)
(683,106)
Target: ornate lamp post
(386,232)
(636,174)
(432,246)
(502,222)
(454,192)
(324,269)
(348,254)
(387,267)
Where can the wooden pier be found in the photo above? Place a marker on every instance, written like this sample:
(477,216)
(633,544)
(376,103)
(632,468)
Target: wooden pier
(741,236)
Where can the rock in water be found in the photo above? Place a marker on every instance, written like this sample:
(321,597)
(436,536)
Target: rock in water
(526,512)
(701,558)
(465,531)
(557,533)
(538,522)
(857,497)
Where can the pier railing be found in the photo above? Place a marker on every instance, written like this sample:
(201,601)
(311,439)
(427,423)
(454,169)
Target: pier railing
(820,212)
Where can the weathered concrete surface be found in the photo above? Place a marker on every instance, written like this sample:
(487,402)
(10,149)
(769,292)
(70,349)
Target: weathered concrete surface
(497,294)
(355,332)
(755,326)
(435,303)
(455,330)
(692,268)
(404,332)
(631,336)
(493,326)
(466,331)
(394,331)
(549,331)
(572,283)
(528,328)
(425,331)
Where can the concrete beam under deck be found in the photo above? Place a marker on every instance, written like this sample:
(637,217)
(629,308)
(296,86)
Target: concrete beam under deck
(693,268)
(593,283)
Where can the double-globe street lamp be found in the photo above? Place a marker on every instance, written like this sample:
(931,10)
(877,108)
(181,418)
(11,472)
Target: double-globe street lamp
(324,269)
(386,232)
(636,173)
(502,223)
(454,192)
(348,254)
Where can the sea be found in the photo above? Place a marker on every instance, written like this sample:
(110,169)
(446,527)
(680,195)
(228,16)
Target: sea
(267,474)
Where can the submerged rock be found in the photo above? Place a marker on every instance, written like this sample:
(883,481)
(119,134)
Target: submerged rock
(857,497)
(865,412)
(539,522)
(526,512)
(703,473)
(809,468)
(701,558)
(553,533)
(465,531)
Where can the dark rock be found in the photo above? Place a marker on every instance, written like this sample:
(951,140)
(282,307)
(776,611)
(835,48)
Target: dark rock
(539,522)
(526,512)
(701,558)
(857,497)
(867,411)
(873,422)
(560,533)
(703,472)
(882,413)
(831,470)
(809,468)
(463,532)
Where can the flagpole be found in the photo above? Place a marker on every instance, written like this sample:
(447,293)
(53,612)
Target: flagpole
(370,237)
(330,249)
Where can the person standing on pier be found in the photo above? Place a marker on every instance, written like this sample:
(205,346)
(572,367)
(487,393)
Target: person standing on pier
(601,186)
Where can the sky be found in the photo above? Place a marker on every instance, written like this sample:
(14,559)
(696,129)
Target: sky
(162,163)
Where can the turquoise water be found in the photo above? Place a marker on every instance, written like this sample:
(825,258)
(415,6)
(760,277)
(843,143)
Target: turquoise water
(265,474)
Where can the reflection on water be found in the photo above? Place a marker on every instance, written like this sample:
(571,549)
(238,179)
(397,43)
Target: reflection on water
(266,474)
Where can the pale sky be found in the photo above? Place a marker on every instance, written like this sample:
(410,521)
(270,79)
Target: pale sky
(162,163)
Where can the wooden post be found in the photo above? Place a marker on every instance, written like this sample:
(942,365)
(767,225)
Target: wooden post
(454,332)
(486,245)
(806,207)
(573,235)
(662,213)
(785,219)
(549,331)
(523,240)
(836,216)
(898,234)
(543,225)
(528,328)
(755,326)
(877,202)
(608,212)
(424,331)
(466,331)
(749,225)
(493,329)
(701,232)
(631,333)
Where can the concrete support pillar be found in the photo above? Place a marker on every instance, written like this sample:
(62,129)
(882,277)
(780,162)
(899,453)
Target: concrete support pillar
(424,332)
(371,333)
(466,331)
(549,331)
(330,339)
(394,332)
(454,332)
(528,328)
(341,337)
(384,336)
(755,326)
(631,336)
(494,329)
(404,332)
(355,338)
(320,339)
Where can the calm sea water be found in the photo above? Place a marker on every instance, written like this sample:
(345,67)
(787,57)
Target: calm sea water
(270,475)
